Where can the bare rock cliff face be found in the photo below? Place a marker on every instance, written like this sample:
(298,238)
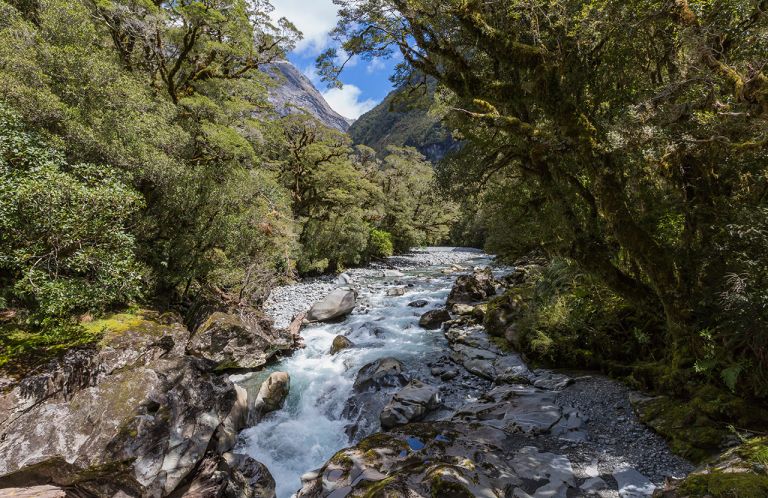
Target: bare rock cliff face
(295,93)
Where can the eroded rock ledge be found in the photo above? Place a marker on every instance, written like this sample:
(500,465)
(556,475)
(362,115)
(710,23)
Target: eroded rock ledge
(148,411)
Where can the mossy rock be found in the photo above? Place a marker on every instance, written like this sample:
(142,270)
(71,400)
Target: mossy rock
(739,472)
(697,427)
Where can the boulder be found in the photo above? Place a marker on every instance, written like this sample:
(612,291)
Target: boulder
(439,459)
(272,393)
(463,309)
(395,292)
(340,342)
(237,342)
(340,302)
(469,289)
(502,311)
(410,404)
(343,279)
(420,303)
(433,319)
(382,373)
(140,430)
(230,476)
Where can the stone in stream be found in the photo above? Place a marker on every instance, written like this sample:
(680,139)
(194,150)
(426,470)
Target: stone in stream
(469,289)
(340,302)
(340,342)
(272,393)
(396,292)
(433,319)
(384,372)
(392,273)
(43,491)
(410,404)
(420,303)
(463,309)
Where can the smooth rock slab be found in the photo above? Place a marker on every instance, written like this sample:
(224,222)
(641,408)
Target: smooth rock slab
(633,484)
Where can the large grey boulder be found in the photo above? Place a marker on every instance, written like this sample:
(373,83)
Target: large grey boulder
(132,415)
(238,342)
(272,393)
(410,404)
(140,431)
(340,302)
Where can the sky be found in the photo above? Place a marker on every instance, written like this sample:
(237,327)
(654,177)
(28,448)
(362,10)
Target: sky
(366,83)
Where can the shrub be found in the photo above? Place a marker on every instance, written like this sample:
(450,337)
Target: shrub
(380,244)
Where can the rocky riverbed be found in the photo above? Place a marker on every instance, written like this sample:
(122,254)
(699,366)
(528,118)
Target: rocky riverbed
(464,418)
(407,395)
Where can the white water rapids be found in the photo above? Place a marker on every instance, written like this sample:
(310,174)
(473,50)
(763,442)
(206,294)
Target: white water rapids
(310,428)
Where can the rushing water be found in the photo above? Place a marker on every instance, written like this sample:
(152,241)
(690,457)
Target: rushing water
(310,428)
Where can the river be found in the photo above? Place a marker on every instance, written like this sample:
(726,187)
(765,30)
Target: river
(310,427)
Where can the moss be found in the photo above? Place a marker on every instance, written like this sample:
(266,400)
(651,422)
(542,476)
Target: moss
(725,485)
(502,344)
(755,451)
(342,459)
(375,489)
(690,433)
(440,487)
(381,440)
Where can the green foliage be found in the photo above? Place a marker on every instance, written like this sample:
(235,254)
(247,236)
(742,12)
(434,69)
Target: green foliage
(24,347)
(572,320)
(586,136)
(380,244)
(64,243)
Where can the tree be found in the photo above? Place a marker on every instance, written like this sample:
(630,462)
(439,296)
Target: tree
(638,126)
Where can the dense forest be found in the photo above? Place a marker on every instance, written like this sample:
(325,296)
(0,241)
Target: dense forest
(142,164)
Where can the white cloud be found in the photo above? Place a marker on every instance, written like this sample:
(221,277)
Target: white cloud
(315,19)
(346,101)
(376,64)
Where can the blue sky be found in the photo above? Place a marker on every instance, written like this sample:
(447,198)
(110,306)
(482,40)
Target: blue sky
(366,83)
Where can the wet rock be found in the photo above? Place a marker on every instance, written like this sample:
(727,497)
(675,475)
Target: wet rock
(537,466)
(449,374)
(420,303)
(382,373)
(236,342)
(470,289)
(340,302)
(438,459)
(550,380)
(272,393)
(433,319)
(410,404)
(396,292)
(340,342)
(514,408)
(230,476)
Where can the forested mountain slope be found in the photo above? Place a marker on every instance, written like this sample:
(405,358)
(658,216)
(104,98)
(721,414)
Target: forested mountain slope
(403,119)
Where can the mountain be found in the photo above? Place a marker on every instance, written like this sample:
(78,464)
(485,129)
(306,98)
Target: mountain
(294,91)
(404,120)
